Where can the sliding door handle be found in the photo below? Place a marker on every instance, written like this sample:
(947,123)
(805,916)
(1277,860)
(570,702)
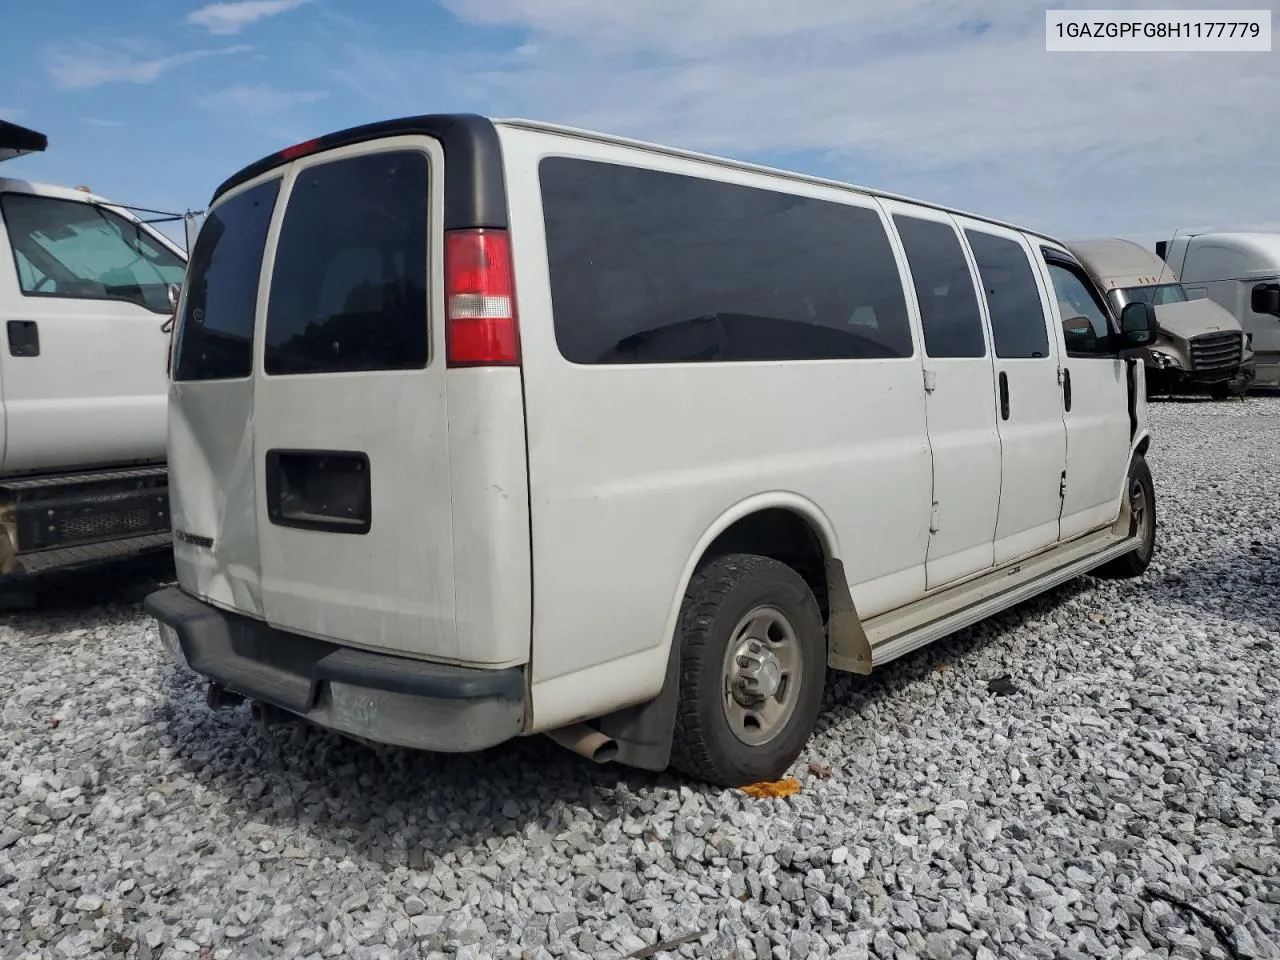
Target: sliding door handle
(1004,395)
(1066,389)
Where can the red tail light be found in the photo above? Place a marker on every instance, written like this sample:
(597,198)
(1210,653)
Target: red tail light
(480,302)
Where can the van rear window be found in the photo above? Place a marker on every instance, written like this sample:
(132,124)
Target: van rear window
(349,287)
(215,338)
(655,267)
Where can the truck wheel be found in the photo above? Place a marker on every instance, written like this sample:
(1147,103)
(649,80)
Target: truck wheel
(753,666)
(1142,523)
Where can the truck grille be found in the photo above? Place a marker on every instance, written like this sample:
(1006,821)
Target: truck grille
(1216,351)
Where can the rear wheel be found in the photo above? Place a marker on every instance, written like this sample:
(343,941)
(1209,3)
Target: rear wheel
(1142,524)
(753,666)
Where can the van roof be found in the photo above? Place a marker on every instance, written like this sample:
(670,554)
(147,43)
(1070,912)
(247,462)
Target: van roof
(473,140)
(1118,263)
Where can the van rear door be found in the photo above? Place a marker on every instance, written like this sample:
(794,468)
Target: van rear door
(212,498)
(350,424)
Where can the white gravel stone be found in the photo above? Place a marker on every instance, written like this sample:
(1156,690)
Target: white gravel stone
(1137,757)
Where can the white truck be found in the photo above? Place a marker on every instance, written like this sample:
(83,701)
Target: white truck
(87,293)
(1240,272)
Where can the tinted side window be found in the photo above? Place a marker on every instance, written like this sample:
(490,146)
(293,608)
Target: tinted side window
(1085,326)
(349,289)
(944,288)
(655,267)
(1013,299)
(215,337)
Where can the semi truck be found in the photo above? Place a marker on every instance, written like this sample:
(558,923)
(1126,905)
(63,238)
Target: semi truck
(1199,346)
(1240,272)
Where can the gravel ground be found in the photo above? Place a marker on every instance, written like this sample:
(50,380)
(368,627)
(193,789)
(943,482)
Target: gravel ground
(1120,799)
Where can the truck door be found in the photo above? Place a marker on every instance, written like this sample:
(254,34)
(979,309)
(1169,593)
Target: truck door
(82,345)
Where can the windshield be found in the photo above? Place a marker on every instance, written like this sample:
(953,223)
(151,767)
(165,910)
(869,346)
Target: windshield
(1156,295)
(75,250)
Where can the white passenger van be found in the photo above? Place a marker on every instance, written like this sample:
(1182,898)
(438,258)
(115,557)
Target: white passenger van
(1241,273)
(483,429)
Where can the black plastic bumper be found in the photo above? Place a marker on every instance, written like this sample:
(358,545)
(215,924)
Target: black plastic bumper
(373,695)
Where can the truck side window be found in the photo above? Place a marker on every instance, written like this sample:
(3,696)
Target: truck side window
(944,288)
(82,251)
(1013,299)
(1085,326)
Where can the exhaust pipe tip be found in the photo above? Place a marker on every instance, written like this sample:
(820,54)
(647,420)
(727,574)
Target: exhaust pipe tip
(586,742)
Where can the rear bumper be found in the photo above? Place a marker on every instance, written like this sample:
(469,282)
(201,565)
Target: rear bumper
(378,697)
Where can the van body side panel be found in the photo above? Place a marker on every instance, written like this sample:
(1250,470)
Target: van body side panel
(1097,422)
(960,398)
(631,463)
(1032,431)
(489,484)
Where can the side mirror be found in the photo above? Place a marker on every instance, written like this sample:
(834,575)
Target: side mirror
(1265,298)
(173,291)
(1137,325)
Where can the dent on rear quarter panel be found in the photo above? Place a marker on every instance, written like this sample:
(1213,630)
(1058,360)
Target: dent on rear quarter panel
(212,495)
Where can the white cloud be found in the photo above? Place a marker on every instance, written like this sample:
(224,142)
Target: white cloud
(258,100)
(234,15)
(87,65)
(953,100)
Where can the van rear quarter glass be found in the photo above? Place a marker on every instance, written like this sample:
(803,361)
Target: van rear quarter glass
(649,266)
(349,288)
(215,338)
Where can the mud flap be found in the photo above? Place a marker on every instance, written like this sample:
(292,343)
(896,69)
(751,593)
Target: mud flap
(847,645)
(643,733)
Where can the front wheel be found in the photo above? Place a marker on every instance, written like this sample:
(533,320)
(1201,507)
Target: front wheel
(753,665)
(1142,524)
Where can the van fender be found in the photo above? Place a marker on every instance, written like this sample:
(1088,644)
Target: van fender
(643,732)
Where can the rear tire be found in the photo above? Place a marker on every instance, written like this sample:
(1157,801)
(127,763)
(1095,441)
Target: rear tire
(753,664)
(1142,523)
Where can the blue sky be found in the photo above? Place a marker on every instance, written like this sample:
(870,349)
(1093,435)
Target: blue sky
(154,102)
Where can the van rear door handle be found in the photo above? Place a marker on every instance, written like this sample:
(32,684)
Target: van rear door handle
(1066,389)
(24,338)
(1004,395)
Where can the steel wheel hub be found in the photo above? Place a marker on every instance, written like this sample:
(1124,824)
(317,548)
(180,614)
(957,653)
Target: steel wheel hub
(761,675)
